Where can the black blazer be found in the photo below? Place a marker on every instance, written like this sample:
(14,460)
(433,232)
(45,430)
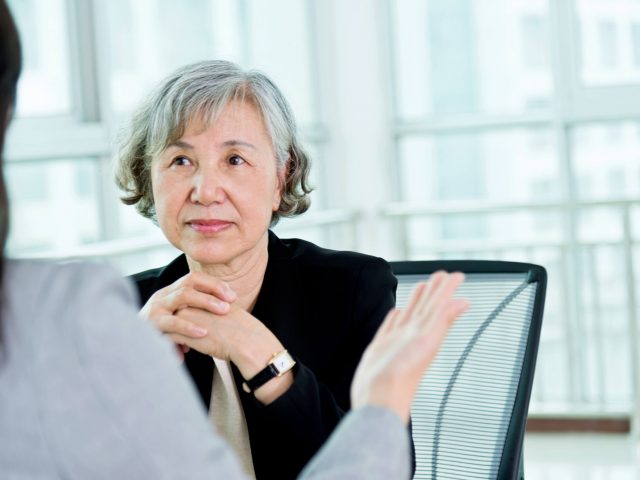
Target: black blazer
(325,307)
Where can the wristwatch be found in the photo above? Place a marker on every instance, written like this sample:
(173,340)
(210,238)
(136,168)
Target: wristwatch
(279,364)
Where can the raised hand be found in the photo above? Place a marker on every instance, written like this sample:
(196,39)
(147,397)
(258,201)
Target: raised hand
(405,345)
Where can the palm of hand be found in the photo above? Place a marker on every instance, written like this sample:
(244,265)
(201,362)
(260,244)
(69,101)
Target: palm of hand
(406,344)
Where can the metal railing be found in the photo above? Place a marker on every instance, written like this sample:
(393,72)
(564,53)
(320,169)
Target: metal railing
(575,257)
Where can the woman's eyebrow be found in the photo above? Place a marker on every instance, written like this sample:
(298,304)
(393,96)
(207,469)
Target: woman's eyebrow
(237,143)
(181,144)
(227,143)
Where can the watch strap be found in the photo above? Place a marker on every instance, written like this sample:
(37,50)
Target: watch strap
(268,372)
(260,378)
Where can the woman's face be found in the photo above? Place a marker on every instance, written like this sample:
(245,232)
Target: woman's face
(215,188)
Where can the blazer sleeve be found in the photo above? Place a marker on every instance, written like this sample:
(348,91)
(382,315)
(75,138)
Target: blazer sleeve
(303,418)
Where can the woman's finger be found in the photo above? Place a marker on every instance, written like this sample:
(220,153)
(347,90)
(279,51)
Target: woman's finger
(436,330)
(205,283)
(421,295)
(440,294)
(457,307)
(444,294)
(182,343)
(419,291)
(389,322)
(186,296)
(173,324)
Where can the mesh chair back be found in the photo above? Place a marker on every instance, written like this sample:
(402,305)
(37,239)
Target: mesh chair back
(470,413)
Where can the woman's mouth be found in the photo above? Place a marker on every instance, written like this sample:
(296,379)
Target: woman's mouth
(209,226)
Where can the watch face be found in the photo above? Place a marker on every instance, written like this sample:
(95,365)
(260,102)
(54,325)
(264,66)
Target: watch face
(283,363)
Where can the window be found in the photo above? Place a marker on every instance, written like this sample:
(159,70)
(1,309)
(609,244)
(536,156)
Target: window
(502,152)
(460,57)
(608,41)
(608,166)
(54,204)
(535,32)
(608,44)
(635,39)
(44,88)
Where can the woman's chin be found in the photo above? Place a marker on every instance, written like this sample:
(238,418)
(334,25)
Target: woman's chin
(210,257)
(221,251)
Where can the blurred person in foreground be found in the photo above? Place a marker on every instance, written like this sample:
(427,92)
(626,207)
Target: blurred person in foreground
(275,327)
(88,390)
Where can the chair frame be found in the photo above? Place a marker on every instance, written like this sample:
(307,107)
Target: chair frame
(511,461)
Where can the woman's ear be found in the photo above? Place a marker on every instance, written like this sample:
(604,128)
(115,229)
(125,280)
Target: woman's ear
(281,179)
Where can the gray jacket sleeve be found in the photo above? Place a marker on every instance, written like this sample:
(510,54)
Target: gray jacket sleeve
(370,443)
(114,400)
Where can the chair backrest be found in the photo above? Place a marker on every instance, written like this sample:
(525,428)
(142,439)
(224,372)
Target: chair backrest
(469,417)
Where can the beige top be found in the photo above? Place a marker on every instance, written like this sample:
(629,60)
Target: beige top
(227,416)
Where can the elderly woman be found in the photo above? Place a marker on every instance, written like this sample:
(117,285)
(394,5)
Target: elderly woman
(213,157)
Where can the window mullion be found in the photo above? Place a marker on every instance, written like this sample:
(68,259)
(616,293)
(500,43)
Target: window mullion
(84,83)
(563,68)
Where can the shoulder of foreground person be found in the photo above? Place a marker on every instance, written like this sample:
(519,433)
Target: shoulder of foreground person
(113,401)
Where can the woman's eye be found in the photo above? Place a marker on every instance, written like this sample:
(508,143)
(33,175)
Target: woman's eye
(181,161)
(236,160)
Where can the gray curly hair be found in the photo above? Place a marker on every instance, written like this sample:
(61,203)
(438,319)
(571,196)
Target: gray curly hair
(201,91)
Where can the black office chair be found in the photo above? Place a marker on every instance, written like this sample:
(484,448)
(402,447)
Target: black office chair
(470,413)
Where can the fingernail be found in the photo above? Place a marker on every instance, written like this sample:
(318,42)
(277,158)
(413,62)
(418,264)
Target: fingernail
(201,332)
(224,306)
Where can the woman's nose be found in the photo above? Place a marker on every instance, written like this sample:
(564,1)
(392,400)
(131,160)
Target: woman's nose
(208,188)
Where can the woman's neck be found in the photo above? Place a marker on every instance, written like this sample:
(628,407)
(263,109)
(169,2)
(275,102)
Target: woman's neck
(244,274)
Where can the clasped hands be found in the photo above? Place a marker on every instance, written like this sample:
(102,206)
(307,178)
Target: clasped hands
(199,311)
